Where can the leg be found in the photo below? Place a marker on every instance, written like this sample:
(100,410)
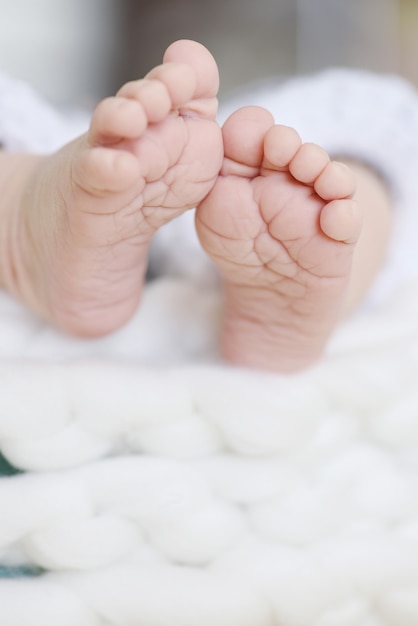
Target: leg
(78,224)
(373,195)
(283,225)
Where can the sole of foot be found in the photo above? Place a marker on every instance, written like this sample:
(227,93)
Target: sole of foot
(281,225)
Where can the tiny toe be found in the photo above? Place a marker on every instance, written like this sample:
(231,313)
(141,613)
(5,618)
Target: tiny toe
(179,79)
(153,96)
(337,180)
(243,134)
(308,163)
(342,220)
(280,146)
(115,119)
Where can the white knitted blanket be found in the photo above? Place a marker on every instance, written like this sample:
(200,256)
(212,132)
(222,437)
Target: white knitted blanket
(192,493)
(161,488)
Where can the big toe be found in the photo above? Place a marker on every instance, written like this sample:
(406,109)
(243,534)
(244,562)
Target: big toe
(201,60)
(243,133)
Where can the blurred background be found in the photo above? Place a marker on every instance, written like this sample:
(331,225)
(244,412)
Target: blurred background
(76,51)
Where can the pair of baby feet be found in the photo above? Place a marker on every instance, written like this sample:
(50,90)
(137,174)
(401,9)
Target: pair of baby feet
(276,215)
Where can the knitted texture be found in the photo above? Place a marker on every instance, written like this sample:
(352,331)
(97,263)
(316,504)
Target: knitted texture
(196,493)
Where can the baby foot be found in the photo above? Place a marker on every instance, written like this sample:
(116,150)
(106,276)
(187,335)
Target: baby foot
(281,226)
(91,210)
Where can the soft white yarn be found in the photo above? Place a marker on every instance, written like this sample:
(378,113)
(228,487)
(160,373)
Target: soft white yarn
(163,487)
(203,494)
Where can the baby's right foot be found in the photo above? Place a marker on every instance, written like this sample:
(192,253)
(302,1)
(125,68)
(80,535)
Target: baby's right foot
(85,219)
(281,226)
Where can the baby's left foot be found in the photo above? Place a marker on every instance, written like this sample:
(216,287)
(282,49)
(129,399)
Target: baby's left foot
(80,221)
(281,226)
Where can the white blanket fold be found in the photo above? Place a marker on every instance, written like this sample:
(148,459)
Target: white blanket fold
(163,487)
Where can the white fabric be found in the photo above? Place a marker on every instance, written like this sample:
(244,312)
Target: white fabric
(27,122)
(165,488)
(199,494)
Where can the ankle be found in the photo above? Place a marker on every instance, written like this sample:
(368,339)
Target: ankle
(264,334)
(248,343)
